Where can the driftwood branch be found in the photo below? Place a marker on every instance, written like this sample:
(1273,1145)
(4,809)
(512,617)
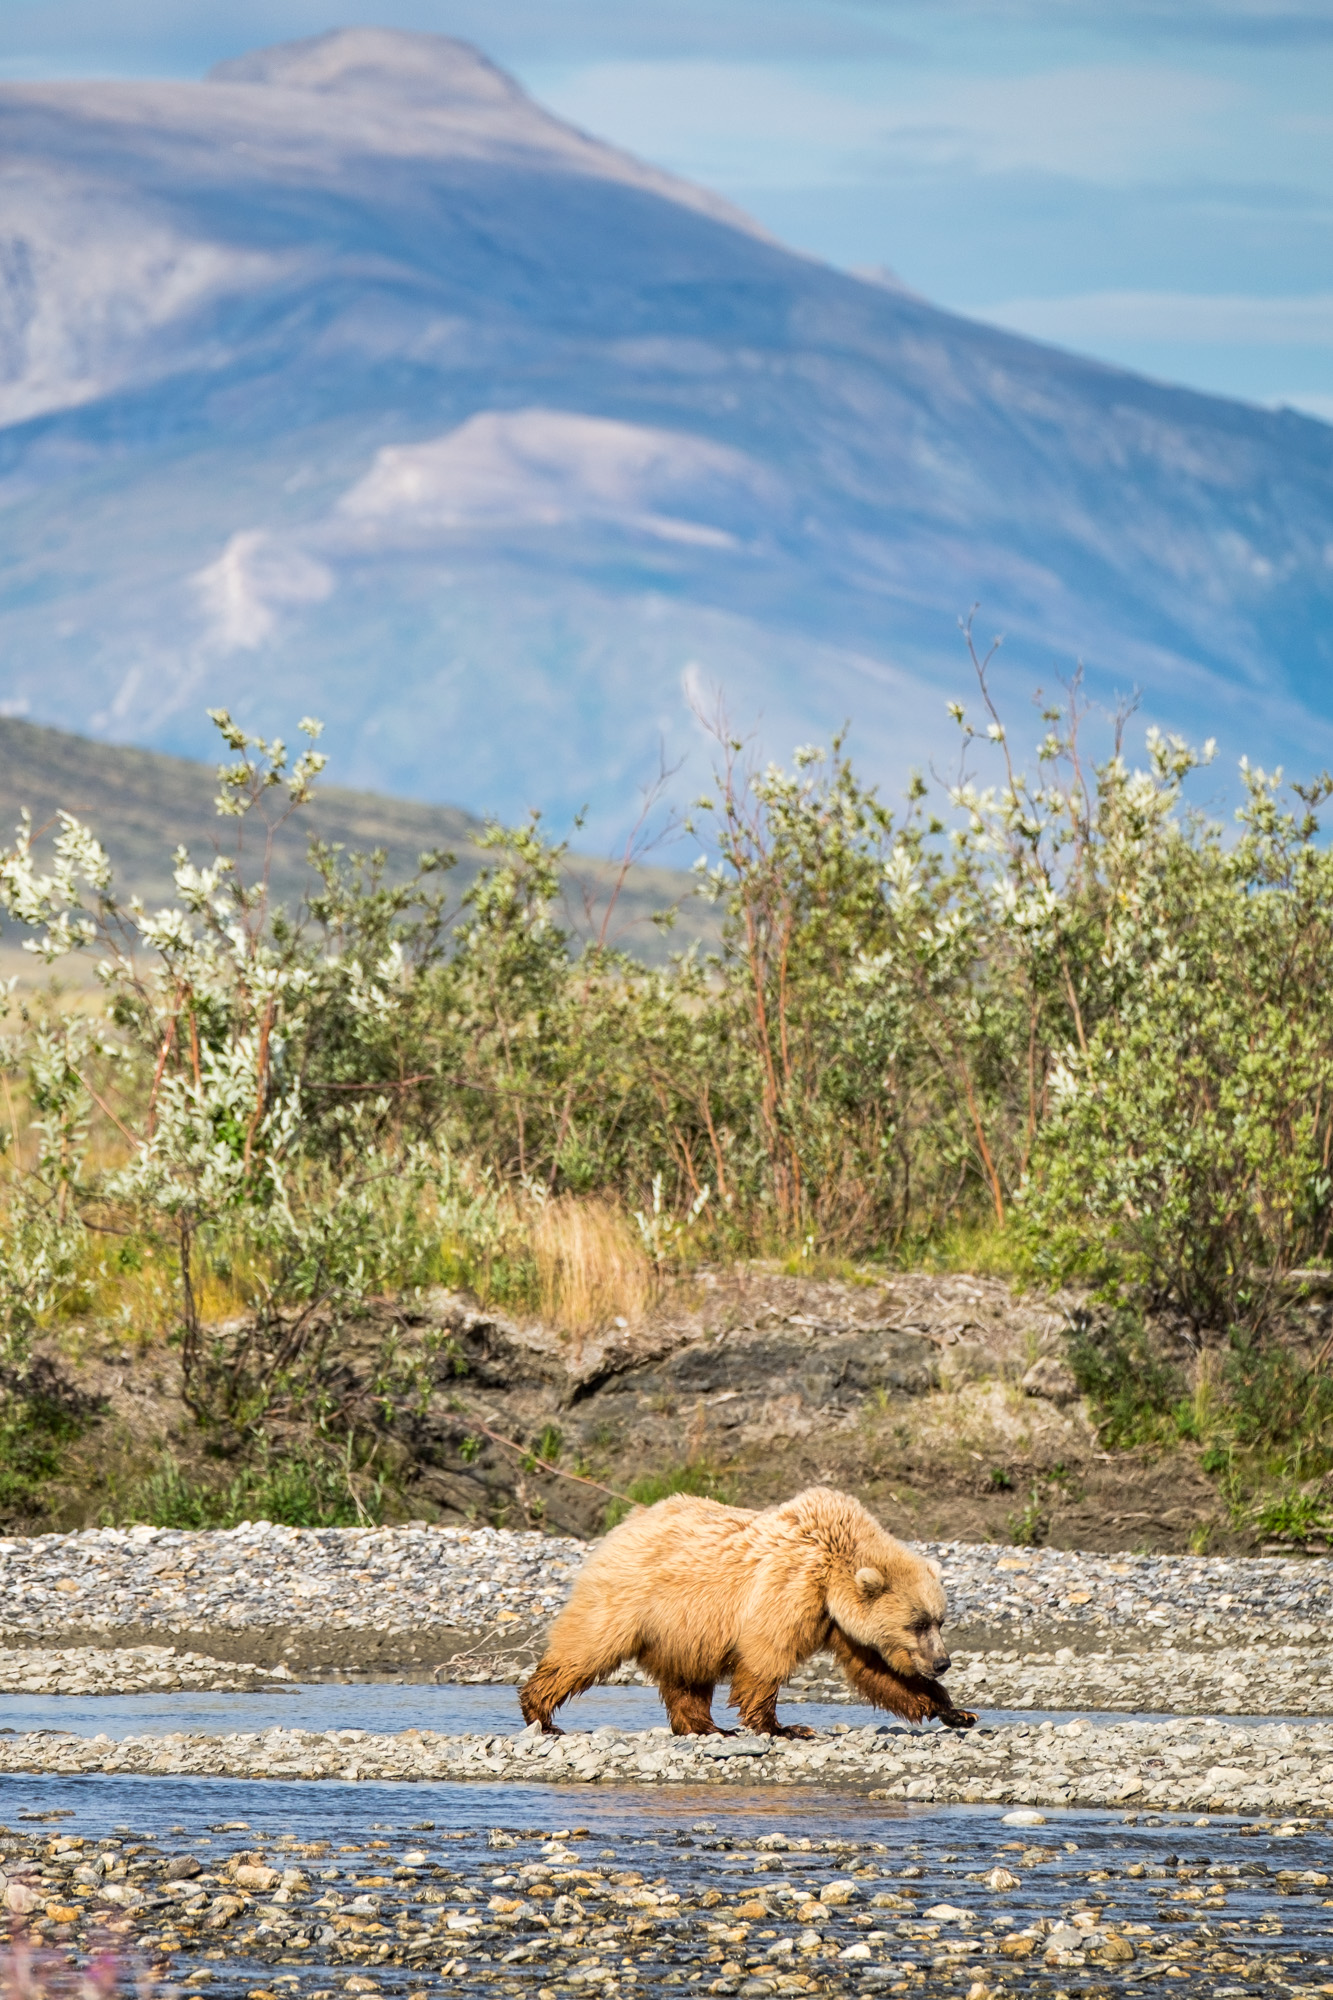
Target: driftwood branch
(545,1465)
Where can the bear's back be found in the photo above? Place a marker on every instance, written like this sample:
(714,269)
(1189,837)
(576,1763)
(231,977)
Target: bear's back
(833,1520)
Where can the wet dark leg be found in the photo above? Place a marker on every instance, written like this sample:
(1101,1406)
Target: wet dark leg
(913,1697)
(757,1699)
(550,1684)
(689,1707)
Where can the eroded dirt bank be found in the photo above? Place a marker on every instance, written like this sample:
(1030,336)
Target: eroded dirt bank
(909,1392)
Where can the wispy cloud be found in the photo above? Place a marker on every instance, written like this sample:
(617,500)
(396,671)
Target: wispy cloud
(1226,319)
(778,126)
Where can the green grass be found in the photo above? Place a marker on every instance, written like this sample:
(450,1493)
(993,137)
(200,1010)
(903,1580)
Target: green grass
(34,1431)
(546,1449)
(1292,1516)
(968,1247)
(1028,1528)
(1260,1415)
(1138,1398)
(655,1486)
(296,1491)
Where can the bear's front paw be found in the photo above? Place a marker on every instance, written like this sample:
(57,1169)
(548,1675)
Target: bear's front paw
(794,1729)
(958,1718)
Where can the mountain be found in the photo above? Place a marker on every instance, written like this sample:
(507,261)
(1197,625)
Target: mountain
(143,805)
(348,381)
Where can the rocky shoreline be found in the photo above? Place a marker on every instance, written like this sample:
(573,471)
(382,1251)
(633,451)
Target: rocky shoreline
(1190,1640)
(1172,1766)
(130,1670)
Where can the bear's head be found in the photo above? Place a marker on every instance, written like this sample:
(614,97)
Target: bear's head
(893,1600)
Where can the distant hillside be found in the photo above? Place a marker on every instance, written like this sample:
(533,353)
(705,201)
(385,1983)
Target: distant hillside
(350,381)
(142,805)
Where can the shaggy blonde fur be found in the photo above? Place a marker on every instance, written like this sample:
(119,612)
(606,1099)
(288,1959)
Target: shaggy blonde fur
(697,1592)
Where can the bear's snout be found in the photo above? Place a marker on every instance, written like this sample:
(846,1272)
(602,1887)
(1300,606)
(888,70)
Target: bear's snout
(941,1663)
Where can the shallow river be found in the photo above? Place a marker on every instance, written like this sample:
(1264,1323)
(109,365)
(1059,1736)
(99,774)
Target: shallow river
(428,1889)
(381,1706)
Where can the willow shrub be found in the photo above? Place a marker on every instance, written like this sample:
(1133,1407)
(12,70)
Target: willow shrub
(1059,1004)
(1187,1146)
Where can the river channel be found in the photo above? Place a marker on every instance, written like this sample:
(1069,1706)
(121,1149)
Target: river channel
(540,1891)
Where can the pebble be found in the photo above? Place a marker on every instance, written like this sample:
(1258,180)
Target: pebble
(1176,1765)
(481,1579)
(1191,1599)
(1289,1681)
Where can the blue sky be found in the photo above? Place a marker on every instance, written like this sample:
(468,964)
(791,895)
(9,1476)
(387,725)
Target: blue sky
(1150,181)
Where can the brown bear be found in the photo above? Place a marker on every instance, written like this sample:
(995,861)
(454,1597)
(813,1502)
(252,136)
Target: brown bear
(695,1591)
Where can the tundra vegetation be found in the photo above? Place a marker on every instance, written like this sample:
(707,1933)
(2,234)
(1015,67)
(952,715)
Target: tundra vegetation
(1056,1024)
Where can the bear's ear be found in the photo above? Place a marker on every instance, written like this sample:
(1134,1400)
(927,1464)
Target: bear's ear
(934,1567)
(869,1582)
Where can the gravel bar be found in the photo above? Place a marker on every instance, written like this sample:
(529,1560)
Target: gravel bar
(258,1577)
(1174,1765)
(427,1582)
(130,1670)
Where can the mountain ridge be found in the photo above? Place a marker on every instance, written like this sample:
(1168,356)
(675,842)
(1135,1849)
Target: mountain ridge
(501,450)
(142,804)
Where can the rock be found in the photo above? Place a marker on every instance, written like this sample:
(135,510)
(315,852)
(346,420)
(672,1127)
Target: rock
(1065,1938)
(1025,1816)
(254,1875)
(1000,1878)
(1052,1380)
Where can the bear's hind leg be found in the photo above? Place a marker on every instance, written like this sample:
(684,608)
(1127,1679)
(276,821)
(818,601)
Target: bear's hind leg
(549,1684)
(756,1696)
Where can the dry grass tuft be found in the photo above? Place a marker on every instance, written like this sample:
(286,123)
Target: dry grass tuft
(591,1265)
